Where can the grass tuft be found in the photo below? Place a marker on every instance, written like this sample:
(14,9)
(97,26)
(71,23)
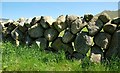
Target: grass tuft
(24,58)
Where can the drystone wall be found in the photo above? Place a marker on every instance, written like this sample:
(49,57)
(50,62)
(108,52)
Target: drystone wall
(74,34)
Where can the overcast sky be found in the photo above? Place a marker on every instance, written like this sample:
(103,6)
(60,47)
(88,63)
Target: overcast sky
(15,10)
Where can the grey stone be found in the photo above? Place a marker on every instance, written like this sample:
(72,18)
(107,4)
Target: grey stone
(6,31)
(96,54)
(94,26)
(70,19)
(116,21)
(77,55)
(5,34)
(99,24)
(42,43)
(5,24)
(96,49)
(88,17)
(104,18)
(118,28)
(68,37)
(21,25)
(17,34)
(28,40)
(35,20)
(36,31)
(12,26)
(92,30)
(27,23)
(83,42)
(22,28)
(51,34)
(60,24)
(21,19)
(77,25)
(59,45)
(109,28)
(114,48)
(46,21)
(102,40)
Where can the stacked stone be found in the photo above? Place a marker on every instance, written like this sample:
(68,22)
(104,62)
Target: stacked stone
(114,30)
(101,38)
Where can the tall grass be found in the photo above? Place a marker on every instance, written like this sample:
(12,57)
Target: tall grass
(24,58)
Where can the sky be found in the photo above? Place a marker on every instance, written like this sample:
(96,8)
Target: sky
(15,10)
(60,0)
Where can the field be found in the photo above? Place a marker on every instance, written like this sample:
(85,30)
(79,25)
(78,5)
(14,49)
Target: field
(26,58)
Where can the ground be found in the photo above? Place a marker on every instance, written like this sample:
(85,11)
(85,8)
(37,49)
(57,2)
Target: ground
(24,58)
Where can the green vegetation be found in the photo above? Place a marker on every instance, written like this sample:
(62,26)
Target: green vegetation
(24,58)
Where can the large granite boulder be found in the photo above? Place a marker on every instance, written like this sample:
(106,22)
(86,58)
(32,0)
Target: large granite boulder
(70,19)
(27,39)
(99,24)
(7,28)
(94,26)
(5,24)
(68,37)
(77,25)
(116,21)
(102,40)
(17,35)
(59,45)
(104,17)
(96,54)
(27,23)
(83,42)
(22,27)
(5,32)
(36,31)
(114,48)
(60,24)
(109,28)
(88,17)
(35,20)
(42,43)
(21,20)
(12,26)
(51,34)
(46,21)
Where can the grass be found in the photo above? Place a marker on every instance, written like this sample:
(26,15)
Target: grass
(24,58)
